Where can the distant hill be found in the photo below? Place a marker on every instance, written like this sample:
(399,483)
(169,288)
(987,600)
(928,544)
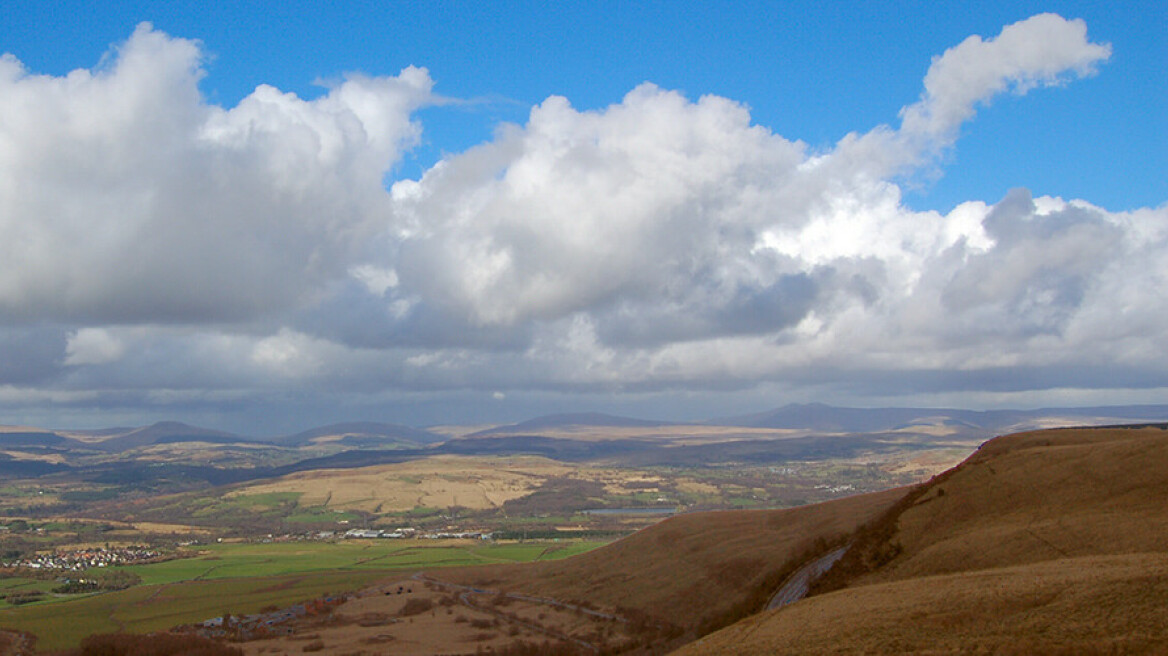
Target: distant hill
(100,432)
(822,418)
(164,432)
(1041,542)
(568,421)
(10,439)
(10,466)
(362,434)
(567,450)
(622,452)
(832,419)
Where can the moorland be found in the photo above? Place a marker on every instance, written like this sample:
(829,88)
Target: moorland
(552,534)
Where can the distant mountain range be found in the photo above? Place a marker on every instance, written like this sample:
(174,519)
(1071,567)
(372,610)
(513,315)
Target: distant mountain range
(831,419)
(571,420)
(172,456)
(821,418)
(811,418)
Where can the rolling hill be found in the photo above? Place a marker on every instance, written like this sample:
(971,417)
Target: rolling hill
(569,422)
(164,432)
(695,571)
(1051,541)
(362,434)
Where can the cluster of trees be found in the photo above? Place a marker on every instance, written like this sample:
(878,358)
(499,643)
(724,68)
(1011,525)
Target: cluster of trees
(558,495)
(103,582)
(20,598)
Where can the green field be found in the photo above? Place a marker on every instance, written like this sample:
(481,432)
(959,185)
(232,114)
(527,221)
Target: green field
(244,578)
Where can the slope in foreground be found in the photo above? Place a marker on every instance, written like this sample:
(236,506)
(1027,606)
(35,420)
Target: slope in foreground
(1043,542)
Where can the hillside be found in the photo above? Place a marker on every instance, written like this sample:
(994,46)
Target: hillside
(1043,542)
(692,571)
(1039,496)
(164,432)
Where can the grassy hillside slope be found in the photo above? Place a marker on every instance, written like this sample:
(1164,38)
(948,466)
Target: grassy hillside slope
(1042,542)
(1090,605)
(1039,496)
(694,571)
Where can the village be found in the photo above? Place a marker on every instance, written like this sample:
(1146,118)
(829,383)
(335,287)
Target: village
(83,559)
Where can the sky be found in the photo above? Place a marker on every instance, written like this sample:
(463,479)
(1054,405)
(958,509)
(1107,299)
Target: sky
(264,217)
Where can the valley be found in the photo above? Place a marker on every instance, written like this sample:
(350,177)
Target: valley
(574,540)
(585,329)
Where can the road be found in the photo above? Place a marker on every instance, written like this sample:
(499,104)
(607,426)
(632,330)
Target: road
(795,587)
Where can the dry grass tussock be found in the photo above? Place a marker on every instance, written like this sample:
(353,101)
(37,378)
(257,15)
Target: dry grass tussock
(1093,605)
(1044,542)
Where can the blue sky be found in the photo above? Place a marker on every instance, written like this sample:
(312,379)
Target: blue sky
(357,239)
(808,70)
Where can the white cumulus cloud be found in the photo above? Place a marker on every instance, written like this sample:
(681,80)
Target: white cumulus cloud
(125,197)
(183,250)
(93,346)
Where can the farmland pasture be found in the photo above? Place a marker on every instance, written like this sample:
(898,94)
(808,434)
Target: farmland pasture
(245,577)
(503,492)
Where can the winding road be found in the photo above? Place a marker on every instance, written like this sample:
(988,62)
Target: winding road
(796,586)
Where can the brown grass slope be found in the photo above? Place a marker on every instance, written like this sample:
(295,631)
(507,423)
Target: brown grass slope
(1042,542)
(694,571)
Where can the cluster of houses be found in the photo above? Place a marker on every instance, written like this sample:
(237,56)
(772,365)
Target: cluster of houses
(404,533)
(837,489)
(260,625)
(83,559)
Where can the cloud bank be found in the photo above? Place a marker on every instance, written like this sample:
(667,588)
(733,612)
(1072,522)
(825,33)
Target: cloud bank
(127,199)
(156,248)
